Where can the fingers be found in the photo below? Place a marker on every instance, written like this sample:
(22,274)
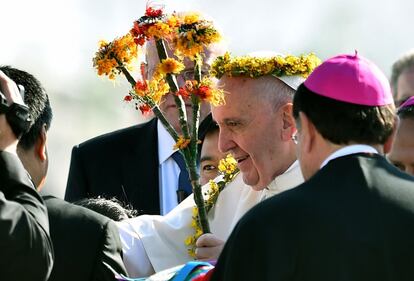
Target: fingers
(208,240)
(10,90)
(209,247)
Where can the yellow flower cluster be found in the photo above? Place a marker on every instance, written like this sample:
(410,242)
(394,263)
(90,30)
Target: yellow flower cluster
(110,55)
(194,34)
(181,143)
(228,170)
(151,92)
(160,29)
(228,165)
(169,66)
(255,67)
(191,240)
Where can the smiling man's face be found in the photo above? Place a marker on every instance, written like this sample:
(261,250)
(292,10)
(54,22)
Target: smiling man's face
(251,129)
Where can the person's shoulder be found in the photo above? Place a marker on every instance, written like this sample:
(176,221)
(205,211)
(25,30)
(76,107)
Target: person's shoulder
(121,136)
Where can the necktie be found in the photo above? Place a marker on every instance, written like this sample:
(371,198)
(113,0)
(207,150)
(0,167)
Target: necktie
(184,185)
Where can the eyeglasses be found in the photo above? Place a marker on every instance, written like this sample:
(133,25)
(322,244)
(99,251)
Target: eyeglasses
(295,137)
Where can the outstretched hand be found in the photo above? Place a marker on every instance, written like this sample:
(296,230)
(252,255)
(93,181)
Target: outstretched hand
(209,247)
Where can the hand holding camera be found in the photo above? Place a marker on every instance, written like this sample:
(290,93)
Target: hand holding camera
(14,115)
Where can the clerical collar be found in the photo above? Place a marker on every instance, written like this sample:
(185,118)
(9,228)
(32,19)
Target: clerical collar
(290,178)
(350,149)
(165,143)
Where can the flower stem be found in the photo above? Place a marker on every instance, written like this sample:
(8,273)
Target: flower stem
(125,71)
(198,196)
(153,106)
(195,103)
(189,153)
(172,82)
(199,200)
(164,122)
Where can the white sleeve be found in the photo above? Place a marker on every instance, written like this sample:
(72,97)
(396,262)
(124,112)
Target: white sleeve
(153,243)
(135,258)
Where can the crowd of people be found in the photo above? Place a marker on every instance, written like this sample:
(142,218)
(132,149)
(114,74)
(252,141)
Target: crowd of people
(325,189)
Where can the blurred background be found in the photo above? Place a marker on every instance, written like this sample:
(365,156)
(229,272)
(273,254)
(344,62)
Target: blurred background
(55,40)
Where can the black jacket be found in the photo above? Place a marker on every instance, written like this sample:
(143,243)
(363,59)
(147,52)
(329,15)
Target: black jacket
(353,220)
(25,246)
(121,164)
(85,243)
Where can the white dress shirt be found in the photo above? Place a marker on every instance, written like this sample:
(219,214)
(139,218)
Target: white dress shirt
(168,170)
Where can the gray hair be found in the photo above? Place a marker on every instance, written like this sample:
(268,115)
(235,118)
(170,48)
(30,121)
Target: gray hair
(405,62)
(277,92)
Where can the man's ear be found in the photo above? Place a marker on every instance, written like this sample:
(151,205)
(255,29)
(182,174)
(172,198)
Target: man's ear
(388,143)
(40,146)
(307,133)
(289,125)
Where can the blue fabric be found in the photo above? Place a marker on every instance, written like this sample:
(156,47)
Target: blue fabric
(187,269)
(184,178)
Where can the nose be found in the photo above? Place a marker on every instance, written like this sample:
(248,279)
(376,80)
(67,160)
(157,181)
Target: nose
(225,141)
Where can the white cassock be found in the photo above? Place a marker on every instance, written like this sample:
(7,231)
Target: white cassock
(152,243)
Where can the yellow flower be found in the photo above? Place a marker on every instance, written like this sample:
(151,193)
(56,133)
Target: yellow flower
(189,240)
(227,165)
(169,66)
(110,56)
(159,30)
(172,21)
(181,143)
(255,67)
(191,18)
(194,34)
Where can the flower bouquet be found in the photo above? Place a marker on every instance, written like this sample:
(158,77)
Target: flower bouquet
(189,35)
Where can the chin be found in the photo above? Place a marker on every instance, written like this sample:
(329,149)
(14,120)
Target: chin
(254,184)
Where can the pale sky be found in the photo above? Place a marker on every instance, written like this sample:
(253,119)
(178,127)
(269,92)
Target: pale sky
(55,40)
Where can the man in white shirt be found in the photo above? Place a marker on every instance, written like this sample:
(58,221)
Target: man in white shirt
(256,125)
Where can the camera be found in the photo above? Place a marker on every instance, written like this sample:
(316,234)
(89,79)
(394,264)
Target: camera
(17,115)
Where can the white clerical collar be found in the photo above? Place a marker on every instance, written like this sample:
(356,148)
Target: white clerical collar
(165,143)
(290,178)
(350,149)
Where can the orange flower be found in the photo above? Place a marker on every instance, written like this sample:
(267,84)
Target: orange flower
(204,92)
(183,93)
(145,109)
(170,65)
(153,13)
(128,98)
(141,87)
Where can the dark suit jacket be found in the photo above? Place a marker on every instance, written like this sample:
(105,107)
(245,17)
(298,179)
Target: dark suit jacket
(121,164)
(25,246)
(353,220)
(84,242)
